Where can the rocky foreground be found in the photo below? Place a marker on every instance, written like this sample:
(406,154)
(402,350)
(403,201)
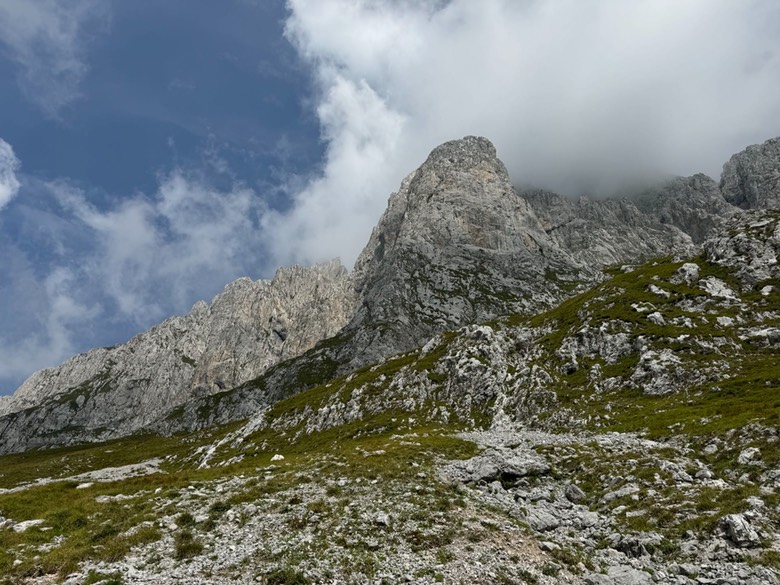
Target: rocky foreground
(524,510)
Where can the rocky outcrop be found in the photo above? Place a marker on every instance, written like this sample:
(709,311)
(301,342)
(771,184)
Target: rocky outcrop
(604,232)
(456,245)
(749,244)
(751,178)
(613,505)
(695,205)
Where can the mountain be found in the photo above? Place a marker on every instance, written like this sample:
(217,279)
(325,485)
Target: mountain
(457,244)
(510,387)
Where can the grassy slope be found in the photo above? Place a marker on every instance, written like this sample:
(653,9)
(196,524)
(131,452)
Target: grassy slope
(744,403)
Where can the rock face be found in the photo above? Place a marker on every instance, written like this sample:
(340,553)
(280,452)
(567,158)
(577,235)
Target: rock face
(749,244)
(751,178)
(246,329)
(456,245)
(631,430)
(459,244)
(671,219)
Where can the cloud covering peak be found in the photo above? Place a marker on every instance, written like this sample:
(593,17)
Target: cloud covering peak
(577,96)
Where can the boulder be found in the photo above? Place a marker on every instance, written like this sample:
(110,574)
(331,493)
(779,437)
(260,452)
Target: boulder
(739,530)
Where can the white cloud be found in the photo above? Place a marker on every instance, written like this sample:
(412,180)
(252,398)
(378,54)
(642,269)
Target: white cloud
(362,137)
(47,313)
(575,95)
(151,256)
(121,269)
(47,39)
(9,165)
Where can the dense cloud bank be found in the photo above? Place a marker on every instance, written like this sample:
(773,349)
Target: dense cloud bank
(577,96)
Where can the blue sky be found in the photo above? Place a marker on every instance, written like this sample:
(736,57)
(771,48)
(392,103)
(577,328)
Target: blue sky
(152,151)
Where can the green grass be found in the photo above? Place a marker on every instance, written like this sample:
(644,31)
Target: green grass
(107,531)
(95,578)
(20,468)
(93,530)
(186,545)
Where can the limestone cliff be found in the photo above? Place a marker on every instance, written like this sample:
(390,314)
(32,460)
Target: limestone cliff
(246,329)
(671,218)
(751,178)
(456,245)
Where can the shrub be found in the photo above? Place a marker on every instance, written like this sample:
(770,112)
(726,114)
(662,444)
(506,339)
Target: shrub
(185,519)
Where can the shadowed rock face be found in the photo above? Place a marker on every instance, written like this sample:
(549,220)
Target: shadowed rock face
(751,178)
(457,245)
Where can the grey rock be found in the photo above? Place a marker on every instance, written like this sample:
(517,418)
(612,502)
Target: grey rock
(689,569)
(597,579)
(717,288)
(748,244)
(626,490)
(637,545)
(574,494)
(687,273)
(457,244)
(382,519)
(751,178)
(497,465)
(710,449)
(656,318)
(739,530)
(656,290)
(26,525)
(585,519)
(605,232)
(628,576)
(619,575)
(749,455)
(541,520)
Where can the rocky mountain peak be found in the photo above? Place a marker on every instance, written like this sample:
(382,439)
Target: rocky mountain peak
(449,162)
(457,244)
(446,201)
(460,197)
(751,178)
